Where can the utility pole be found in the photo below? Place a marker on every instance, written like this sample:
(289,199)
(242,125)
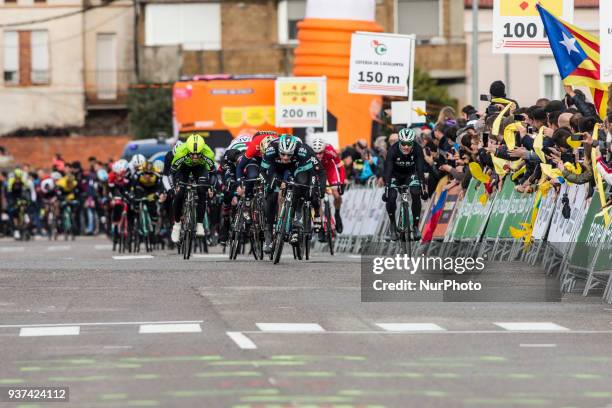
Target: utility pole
(475,97)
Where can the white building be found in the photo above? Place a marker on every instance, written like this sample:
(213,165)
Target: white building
(61,62)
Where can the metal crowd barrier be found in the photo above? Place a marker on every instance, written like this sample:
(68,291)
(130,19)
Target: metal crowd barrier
(556,243)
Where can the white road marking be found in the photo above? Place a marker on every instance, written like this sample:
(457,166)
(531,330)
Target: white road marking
(408,327)
(104,247)
(127,257)
(12,249)
(59,248)
(354,256)
(170,328)
(211,256)
(290,327)
(7,326)
(538,345)
(49,331)
(241,340)
(531,326)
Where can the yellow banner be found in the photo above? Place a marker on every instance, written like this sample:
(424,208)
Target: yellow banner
(302,93)
(269,114)
(527,8)
(232,117)
(255,115)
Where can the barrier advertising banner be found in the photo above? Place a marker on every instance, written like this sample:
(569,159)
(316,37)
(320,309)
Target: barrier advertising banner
(518,28)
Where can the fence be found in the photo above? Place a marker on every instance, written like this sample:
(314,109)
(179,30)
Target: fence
(577,250)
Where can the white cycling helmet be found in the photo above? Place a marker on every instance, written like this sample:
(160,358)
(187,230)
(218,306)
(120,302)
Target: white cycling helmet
(47,185)
(138,160)
(407,136)
(56,175)
(287,144)
(176,146)
(318,144)
(120,165)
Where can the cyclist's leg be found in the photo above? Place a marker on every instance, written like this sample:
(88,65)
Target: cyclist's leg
(391,205)
(415,194)
(179,197)
(251,172)
(203,177)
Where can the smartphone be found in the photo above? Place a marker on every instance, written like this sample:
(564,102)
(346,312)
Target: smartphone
(530,129)
(581,153)
(428,151)
(485,139)
(485,98)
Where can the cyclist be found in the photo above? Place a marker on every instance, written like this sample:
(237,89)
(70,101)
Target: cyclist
(68,188)
(19,190)
(404,166)
(194,157)
(227,171)
(286,157)
(248,165)
(146,183)
(334,173)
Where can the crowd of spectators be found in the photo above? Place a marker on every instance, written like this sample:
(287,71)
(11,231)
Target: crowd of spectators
(504,138)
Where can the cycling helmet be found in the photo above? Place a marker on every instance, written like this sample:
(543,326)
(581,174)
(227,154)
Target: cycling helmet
(287,144)
(407,136)
(102,175)
(138,160)
(158,166)
(176,146)
(195,143)
(241,147)
(263,145)
(18,173)
(120,166)
(266,132)
(318,144)
(47,185)
(56,175)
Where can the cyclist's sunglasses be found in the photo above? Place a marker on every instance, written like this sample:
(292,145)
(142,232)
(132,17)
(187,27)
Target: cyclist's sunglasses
(285,155)
(406,144)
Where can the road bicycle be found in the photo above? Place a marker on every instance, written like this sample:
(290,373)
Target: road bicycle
(189,219)
(284,226)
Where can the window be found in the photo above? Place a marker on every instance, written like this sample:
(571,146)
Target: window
(194,26)
(290,12)
(551,86)
(40,57)
(26,57)
(420,17)
(11,57)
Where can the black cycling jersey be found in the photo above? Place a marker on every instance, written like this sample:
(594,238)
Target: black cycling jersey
(398,164)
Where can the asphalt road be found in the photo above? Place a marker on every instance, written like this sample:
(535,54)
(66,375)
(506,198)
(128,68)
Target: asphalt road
(210,332)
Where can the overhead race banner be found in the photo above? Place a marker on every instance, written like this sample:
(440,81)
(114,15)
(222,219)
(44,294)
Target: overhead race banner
(605,40)
(518,28)
(300,101)
(380,64)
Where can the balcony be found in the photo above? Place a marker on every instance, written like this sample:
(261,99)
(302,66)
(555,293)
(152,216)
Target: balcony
(107,89)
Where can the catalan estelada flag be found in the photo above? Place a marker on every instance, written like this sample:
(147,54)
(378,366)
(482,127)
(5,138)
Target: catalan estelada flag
(577,56)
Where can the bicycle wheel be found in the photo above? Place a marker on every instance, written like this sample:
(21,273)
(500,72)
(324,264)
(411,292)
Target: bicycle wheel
(406,241)
(307,231)
(329,233)
(279,235)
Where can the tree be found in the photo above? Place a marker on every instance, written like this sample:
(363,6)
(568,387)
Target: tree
(150,110)
(429,89)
